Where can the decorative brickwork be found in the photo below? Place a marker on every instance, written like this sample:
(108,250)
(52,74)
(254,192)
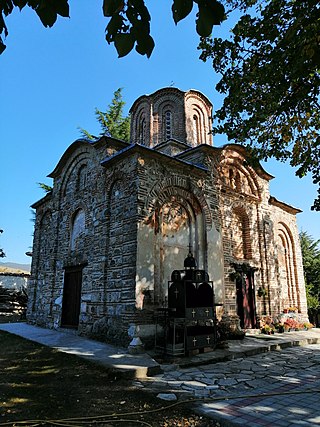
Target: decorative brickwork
(122,216)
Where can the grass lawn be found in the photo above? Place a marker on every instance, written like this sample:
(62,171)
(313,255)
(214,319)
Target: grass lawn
(41,384)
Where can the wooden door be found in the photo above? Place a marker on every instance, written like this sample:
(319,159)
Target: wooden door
(246,300)
(71,298)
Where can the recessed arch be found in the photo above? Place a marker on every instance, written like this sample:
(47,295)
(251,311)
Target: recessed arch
(287,263)
(241,239)
(80,161)
(168,124)
(164,115)
(175,185)
(178,224)
(198,125)
(141,126)
(239,177)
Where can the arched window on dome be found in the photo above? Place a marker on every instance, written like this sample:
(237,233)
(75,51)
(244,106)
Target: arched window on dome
(142,131)
(167,125)
(196,129)
(195,124)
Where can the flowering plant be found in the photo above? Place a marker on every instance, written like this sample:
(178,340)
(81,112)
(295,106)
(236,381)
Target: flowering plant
(308,325)
(267,329)
(292,323)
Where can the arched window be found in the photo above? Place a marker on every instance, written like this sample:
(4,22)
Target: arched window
(78,228)
(196,129)
(198,125)
(168,124)
(142,131)
(237,181)
(82,178)
(287,267)
(231,178)
(241,235)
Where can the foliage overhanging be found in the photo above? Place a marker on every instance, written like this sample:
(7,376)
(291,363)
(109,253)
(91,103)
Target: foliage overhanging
(270,67)
(129,20)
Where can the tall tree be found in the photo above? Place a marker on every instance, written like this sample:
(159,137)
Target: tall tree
(112,122)
(311,264)
(270,68)
(129,20)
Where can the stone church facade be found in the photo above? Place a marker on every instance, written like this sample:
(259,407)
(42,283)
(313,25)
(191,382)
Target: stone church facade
(122,216)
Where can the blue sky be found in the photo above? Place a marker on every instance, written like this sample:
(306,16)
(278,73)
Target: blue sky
(52,80)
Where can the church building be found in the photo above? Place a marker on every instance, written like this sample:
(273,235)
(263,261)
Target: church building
(122,216)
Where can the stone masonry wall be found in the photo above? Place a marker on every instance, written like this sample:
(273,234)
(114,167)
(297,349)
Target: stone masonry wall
(104,212)
(105,247)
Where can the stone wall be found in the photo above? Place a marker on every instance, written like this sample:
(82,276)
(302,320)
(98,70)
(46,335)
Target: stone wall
(125,216)
(104,247)
(161,186)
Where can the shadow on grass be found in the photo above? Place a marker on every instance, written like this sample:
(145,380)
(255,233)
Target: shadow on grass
(38,382)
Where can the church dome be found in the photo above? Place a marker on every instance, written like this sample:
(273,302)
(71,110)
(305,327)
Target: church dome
(171,114)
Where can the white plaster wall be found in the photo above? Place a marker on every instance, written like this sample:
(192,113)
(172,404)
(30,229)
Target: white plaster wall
(145,262)
(215,263)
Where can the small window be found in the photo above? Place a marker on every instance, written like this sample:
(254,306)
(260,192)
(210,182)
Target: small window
(168,125)
(231,179)
(142,131)
(196,130)
(82,178)
(238,181)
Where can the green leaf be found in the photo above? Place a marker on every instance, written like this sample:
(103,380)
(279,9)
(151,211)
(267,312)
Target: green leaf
(181,9)
(6,7)
(114,27)
(3,27)
(123,43)
(62,8)
(20,3)
(145,45)
(210,13)
(110,7)
(2,46)
(47,15)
